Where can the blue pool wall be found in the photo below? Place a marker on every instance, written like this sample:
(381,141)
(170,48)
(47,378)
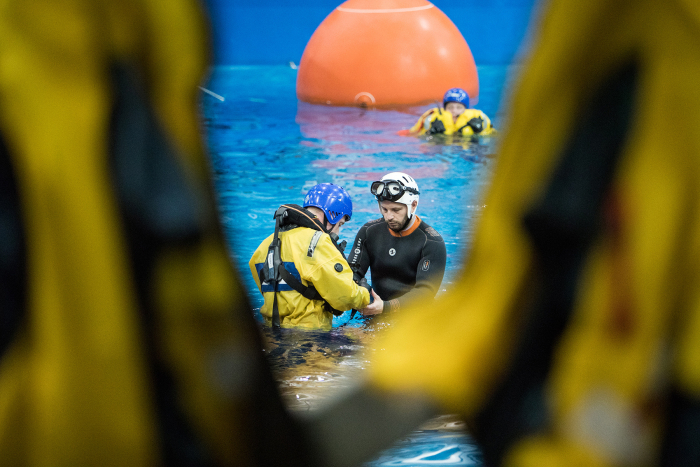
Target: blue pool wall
(275,32)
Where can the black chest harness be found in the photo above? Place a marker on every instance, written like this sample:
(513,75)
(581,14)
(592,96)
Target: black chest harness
(288,217)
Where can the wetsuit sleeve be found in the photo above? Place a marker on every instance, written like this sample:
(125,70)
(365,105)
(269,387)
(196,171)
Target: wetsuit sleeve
(333,279)
(429,274)
(358,257)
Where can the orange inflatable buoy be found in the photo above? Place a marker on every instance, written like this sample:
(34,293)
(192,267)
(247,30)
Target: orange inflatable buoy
(383,53)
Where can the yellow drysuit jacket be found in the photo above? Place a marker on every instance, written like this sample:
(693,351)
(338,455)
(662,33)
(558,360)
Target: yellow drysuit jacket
(452,127)
(326,269)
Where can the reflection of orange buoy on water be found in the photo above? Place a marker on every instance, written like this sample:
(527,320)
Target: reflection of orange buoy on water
(385,52)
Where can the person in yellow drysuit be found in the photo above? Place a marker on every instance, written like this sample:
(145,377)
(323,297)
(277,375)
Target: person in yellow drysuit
(301,270)
(455,118)
(572,337)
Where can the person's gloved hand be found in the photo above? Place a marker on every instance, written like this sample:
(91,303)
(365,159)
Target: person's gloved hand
(436,127)
(476,124)
(341,246)
(363,283)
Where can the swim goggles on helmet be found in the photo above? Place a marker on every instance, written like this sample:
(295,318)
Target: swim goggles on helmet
(390,190)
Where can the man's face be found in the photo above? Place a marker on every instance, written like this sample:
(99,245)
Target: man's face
(395,214)
(336,227)
(455,108)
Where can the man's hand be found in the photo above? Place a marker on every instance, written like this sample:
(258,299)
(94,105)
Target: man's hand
(373,308)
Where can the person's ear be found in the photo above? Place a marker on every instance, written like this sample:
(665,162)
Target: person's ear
(414,204)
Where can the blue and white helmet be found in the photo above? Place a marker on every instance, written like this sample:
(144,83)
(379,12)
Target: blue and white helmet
(456,95)
(332,199)
(408,197)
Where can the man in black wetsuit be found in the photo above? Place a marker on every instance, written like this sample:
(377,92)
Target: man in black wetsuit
(406,256)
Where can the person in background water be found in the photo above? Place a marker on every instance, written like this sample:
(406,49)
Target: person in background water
(301,270)
(407,256)
(456,118)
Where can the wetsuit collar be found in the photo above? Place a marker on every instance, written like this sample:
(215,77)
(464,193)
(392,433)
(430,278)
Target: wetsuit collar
(408,231)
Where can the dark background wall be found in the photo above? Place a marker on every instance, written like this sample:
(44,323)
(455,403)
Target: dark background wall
(269,32)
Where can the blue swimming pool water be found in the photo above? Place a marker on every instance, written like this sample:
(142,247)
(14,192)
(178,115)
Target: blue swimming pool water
(267,149)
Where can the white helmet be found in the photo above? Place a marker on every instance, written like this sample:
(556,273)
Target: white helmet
(404,189)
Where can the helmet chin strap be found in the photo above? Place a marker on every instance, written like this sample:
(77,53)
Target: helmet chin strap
(411,214)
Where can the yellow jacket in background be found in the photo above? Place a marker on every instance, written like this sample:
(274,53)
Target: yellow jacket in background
(326,269)
(459,127)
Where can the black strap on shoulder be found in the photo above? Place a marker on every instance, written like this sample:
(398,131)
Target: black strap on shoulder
(273,263)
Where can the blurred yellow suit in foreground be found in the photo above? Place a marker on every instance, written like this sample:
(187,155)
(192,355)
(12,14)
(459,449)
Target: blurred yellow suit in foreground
(573,335)
(125,338)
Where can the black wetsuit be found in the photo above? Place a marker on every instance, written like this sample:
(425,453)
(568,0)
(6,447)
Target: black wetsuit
(405,266)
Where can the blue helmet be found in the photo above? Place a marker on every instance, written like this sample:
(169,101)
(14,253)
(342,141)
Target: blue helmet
(332,199)
(456,95)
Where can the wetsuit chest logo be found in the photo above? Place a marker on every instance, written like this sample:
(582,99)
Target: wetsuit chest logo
(426,265)
(392,252)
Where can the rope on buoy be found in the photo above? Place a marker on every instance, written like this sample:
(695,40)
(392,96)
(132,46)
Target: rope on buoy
(365,94)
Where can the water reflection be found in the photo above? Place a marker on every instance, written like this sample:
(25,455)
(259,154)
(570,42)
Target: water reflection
(431,447)
(311,366)
(350,130)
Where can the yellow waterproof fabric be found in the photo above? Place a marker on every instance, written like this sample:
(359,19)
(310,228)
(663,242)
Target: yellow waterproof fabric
(635,328)
(452,127)
(75,386)
(319,270)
